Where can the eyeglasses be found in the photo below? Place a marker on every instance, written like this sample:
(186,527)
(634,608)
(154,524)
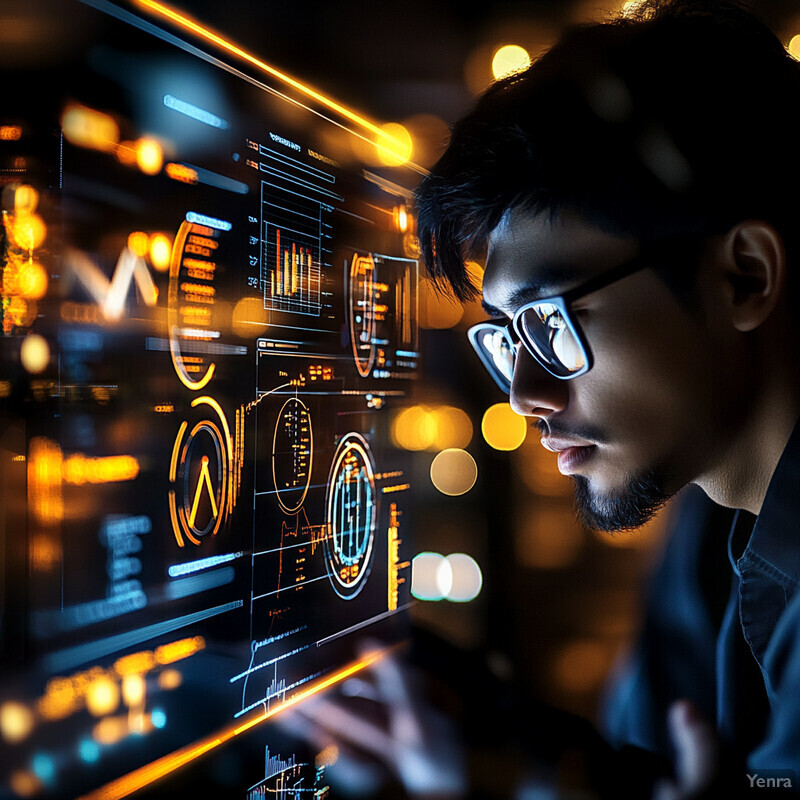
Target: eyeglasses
(547,330)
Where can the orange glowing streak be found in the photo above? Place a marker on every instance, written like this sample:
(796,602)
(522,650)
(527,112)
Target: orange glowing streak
(144,776)
(190,24)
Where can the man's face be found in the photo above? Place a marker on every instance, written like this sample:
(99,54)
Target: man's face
(647,417)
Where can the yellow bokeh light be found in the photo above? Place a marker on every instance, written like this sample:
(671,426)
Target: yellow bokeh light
(110,730)
(102,696)
(26,198)
(133,690)
(32,281)
(431,428)
(414,428)
(395,148)
(16,721)
(249,317)
(34,353)
(86,127)
(508,59)
(503,428)
(138,243)
(160,251)
(430,134)
(454,471)
(28,231)
(794,46)
(453,427)
(10,133)
(437,309)
(170,679)
(401,218)
(149,155)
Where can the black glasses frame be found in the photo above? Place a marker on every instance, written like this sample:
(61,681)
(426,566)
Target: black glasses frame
(514,332)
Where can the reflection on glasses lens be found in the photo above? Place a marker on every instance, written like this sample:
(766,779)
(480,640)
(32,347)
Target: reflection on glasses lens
(496,343)
(546,330)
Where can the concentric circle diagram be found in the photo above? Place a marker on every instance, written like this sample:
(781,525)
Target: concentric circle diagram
(362,312)
(351,513)
(292,454)
(200,476)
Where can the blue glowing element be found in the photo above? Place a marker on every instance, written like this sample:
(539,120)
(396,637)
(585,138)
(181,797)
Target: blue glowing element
(195,112)
(43,767)
(158,718)
(220,181)
(89,751)
(177,570)
(211,222)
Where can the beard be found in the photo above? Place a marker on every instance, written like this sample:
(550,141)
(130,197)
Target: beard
(626,509)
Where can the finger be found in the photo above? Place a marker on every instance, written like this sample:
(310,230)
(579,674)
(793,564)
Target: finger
(391,673)
(696,747)
(394,687)
(336,720)
(360,774)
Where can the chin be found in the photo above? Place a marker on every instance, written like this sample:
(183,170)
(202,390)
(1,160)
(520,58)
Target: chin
(624,508)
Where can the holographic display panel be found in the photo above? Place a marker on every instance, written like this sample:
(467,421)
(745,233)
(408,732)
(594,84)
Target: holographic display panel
(208,320)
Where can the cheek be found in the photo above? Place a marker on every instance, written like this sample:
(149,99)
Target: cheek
(654,380)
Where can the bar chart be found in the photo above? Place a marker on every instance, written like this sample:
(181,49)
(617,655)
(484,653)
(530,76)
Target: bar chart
(290,272)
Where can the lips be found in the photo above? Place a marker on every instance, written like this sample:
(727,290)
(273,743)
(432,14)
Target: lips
(571,454)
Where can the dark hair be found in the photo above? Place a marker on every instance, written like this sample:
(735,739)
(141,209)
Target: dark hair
(680,118)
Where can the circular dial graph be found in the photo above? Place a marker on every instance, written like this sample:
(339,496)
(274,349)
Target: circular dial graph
(200,476)
(292,454)
(351,513)
(362,312)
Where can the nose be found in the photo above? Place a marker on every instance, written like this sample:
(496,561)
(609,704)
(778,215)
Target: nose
(534,391)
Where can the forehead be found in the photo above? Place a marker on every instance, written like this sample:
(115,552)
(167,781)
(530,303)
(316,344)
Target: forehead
(535,255)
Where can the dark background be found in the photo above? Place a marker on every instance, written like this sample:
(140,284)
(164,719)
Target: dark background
(560,604)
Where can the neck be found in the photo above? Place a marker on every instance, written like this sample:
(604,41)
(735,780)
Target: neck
(744,472)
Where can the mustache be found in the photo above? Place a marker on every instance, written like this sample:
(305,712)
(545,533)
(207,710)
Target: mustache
(555,427)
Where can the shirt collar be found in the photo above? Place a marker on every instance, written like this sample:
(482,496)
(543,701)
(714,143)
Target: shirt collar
(776,534)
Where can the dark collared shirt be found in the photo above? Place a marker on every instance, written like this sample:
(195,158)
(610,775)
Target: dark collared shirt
(722,627)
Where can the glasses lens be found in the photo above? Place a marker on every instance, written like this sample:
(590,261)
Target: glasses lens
(497,352)
(546,330)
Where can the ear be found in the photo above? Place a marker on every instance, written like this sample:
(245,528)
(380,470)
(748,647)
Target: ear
(754,263)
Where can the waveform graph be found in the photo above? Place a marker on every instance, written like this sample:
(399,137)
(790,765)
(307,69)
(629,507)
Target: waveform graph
(291,254)
(350,516)
(292,454)
(289,778)
(361,303)
(200,475)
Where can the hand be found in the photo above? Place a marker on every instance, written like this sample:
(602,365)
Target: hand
(696,754)
(380,722)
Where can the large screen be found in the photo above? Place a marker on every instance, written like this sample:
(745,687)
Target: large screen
(209,299)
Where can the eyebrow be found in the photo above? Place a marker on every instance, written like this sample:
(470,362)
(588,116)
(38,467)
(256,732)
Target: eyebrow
(550,281)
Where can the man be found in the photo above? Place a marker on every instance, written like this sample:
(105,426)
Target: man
(628,195)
